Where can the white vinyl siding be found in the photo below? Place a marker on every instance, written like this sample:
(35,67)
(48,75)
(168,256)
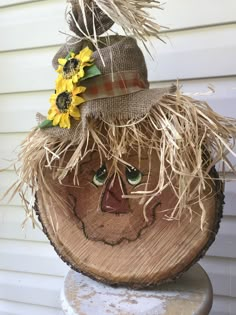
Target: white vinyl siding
(200,51)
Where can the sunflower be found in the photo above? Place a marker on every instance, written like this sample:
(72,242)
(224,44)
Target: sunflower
(64,106)
(71,68)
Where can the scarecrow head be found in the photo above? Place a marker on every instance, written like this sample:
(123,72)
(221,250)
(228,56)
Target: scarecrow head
(123,175)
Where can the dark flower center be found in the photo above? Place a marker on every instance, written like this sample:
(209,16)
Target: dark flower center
(70,67)
(63,101)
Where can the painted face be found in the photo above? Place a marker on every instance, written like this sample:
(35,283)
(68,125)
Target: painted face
(124,240)
(101,201)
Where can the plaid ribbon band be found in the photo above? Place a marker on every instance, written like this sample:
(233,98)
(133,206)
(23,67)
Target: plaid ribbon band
(113,84)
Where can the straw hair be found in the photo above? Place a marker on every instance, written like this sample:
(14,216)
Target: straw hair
(187,136)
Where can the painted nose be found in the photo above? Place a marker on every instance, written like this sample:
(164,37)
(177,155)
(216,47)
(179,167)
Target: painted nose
(112,200)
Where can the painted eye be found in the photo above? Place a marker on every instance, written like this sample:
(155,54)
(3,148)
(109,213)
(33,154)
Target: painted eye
(100,176)
(133,175)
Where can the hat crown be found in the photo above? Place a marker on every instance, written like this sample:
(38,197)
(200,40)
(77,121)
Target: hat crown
(119,54)
(122,55)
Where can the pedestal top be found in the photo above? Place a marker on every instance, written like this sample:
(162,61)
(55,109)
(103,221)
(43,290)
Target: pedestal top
(189,295)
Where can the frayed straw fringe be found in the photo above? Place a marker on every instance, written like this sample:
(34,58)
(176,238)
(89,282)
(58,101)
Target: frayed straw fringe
(187,136)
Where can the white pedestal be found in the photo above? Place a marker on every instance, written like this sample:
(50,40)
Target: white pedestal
(190,295)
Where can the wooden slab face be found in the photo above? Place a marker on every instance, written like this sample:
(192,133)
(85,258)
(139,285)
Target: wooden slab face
(125,241)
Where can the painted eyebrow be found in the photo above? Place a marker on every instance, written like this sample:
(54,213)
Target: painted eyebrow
(144,171)
(83,164)
(136,154)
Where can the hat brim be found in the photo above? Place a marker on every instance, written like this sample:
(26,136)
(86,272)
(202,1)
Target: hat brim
(112,109)
(125,107)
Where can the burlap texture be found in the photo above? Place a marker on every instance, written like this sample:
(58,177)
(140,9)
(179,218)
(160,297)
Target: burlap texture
(96,20)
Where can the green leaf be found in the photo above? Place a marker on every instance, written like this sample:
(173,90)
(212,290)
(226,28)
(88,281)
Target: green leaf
(90,72)
(46,124)
(69,55)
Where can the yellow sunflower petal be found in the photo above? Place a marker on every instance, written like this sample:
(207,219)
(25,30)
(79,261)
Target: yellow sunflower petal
(75,78)
(52,109)
(62,61)
(72,54)
(87,64)
(59,80)
(85,55)
(74,112)
(51,116)
(53,97)
(52,113)
(69,85)
(57,119)
(81,72)
(67,121)
(52,100)
(61,84)
(79,90)
(59,69)
(77,101)
(62,123)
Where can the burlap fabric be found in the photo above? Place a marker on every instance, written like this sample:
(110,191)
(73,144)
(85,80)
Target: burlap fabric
(117,54)
(96,20)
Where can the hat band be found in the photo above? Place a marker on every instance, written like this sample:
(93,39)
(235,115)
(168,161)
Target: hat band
(113,84)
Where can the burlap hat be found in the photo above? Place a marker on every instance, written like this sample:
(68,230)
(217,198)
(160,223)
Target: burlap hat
(121,91)
(123,178)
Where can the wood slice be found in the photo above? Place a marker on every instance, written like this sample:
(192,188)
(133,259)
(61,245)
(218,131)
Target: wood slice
(105,236)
